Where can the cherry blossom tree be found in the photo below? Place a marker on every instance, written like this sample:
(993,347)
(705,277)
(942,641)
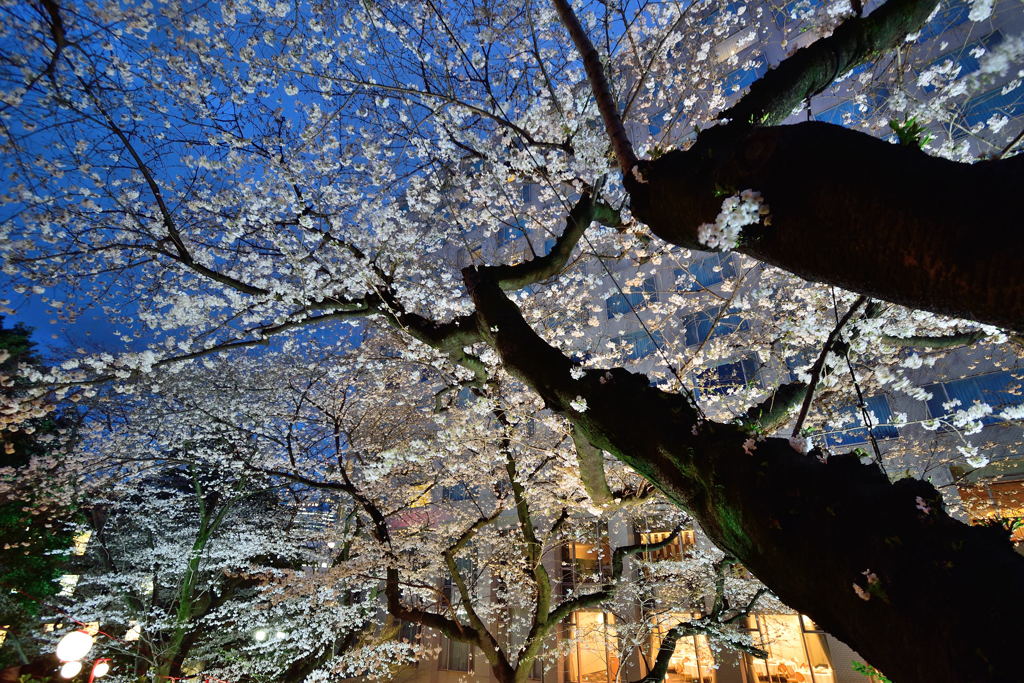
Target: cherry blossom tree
(217,180)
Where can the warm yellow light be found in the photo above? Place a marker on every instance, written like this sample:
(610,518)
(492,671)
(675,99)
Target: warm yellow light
(74,646)
(134,632)
(70,669)
(101,669)
(81,542)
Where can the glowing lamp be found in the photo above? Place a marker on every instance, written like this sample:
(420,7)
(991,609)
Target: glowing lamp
(74,646)
(101,669)
(70,669)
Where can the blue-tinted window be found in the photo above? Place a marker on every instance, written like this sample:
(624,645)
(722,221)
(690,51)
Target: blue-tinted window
(849,112)
(964,59)
(854,431)
(998,389)
(801,362)
(982,107)
(456,493)
(509,233)
(727,377)
(951,14)
(704,273)
(632,299)
(697,326)
(639,344)
(795,11)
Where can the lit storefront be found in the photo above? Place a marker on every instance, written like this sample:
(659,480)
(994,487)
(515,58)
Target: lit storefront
(796,647)
(594,657)
(692,661)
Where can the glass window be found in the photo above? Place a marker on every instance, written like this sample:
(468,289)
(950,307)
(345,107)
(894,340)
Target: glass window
(727,377)
(853,430)
(675,550)
(991,501)
(692,661)
(795,10)
(964,57)
(998,389)
(632,298)
(455,655)
(594,656)
(981,108)
(456,492)
(704,273)
(698,325)
(797,651)
(950,15)
(640,344)
(582,562)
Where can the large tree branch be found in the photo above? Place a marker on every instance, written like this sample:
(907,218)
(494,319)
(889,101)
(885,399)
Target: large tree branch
(819,363)
(857,212)
(599,86)
(777,511)
(540,268)
(848,209)
(810,70)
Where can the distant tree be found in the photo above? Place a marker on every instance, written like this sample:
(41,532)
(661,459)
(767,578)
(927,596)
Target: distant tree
(37,524)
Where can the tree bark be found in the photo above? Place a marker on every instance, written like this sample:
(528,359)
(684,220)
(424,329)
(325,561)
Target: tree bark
(854,211)
(933,597)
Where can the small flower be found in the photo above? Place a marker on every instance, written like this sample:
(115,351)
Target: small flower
(577,373)
(749,446)
(579,404)
(861,593)
(799,444)
(923,506)
(870,576)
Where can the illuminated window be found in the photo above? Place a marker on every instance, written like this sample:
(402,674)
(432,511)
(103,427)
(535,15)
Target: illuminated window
(81,543)
(67,585)
(422,493)
(676,550)
(692,661)
(583,562)
(594,657)
(1001,501)
(797,652)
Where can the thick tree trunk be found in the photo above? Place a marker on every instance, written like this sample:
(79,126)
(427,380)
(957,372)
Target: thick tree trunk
(851,210)
(934,598)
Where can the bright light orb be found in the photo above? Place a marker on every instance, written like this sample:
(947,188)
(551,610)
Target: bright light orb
(74,646)
(280,634)
(70,669)
(101,669)
(260,635)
